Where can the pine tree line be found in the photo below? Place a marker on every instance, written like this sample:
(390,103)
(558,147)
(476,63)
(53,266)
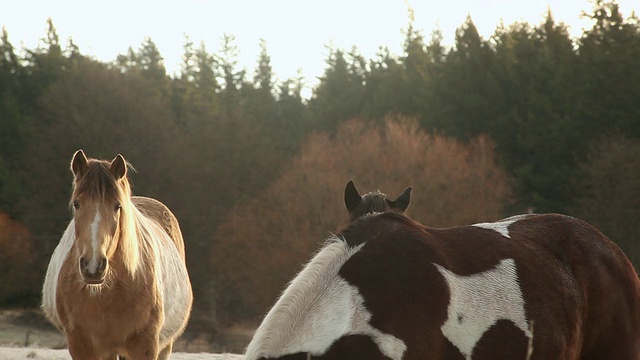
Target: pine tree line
(214,137)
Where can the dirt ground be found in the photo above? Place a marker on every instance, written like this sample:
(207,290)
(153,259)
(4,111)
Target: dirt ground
(50,354)
(25,328)
(29,329)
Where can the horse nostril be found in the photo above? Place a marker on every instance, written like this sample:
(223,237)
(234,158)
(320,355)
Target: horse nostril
(102,265)
(83,263)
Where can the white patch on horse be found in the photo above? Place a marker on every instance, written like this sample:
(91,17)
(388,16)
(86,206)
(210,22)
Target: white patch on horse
(172,280)
(318,308)
(49,288)
(92,267)
(478,301)
(501,226)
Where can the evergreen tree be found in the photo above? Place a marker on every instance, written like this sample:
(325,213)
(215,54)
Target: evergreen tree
(610,192)
(263,78)
(182,84)
(10,87)
(259,96)
(466,91)
(45,65)
(291,113)
(195,98)
(533,125)
(12,123)
(610,73)
(232,79)
(384,87)
(148,63)
(416,63)
(204,80)
(291,107)
(340,94)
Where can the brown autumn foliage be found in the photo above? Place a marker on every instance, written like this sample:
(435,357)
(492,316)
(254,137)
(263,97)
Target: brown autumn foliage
(611,197)
(265,240)
(17,258)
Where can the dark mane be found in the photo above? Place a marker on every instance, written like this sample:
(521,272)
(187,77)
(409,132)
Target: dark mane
(372,202)
(368,226)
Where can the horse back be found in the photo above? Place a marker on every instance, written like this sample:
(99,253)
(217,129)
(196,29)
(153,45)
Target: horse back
(160,213)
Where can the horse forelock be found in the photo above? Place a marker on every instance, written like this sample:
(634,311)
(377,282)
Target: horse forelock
(98,183)
(376,201)
(372,202)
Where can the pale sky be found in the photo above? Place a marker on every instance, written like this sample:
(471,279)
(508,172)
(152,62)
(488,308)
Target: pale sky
(295,31)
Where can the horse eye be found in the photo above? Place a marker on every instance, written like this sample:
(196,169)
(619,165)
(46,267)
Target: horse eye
(76,204)
(117,206)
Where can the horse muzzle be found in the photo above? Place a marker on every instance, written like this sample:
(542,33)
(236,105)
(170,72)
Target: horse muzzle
(93,271)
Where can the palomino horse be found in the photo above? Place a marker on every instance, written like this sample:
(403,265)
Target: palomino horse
(372,202)
(117,283)
(387,287)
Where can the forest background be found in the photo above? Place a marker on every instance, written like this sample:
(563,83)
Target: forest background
(527,120)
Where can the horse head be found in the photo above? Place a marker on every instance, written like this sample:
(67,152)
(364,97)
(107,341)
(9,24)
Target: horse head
(372,202)
(100,191)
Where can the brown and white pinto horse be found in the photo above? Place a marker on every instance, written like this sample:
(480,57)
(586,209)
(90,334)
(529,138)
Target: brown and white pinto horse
(372,202)
(117,283)
(387,287)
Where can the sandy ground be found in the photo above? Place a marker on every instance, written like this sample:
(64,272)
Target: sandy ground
(27,335)
(7,353)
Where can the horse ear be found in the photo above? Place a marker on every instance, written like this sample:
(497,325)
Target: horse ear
(118,167)
(402,202)
(351,196)
(78,163)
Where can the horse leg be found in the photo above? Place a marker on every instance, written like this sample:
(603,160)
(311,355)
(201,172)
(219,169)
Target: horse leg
(80,346)
(143,347)
(166,352)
